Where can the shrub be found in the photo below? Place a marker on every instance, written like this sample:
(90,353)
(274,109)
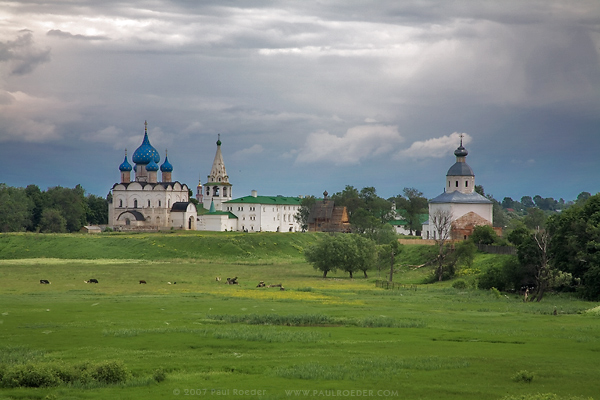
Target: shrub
(523,376)
(495,292)
(460,284)
(111,372)
(30,375)
(484,234)
(159,375)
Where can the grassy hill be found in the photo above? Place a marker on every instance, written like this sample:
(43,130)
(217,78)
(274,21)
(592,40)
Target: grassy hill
(225,246)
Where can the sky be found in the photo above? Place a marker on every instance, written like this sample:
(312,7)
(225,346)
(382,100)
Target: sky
(307,96)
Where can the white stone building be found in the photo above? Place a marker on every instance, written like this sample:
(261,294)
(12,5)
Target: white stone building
(467,207)
(147,204)
(265,213)
(219,212)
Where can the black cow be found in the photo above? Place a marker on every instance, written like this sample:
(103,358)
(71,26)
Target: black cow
(142,281)
(92,281)
(44,281)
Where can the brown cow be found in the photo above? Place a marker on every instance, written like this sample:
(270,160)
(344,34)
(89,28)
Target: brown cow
(142,281)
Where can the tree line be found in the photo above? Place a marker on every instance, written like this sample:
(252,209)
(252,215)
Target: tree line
(55,210)
(369,213)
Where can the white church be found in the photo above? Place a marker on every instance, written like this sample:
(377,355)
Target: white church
(467,208)
(147,204)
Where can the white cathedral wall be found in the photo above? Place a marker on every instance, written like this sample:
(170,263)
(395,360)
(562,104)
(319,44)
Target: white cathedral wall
(156,216)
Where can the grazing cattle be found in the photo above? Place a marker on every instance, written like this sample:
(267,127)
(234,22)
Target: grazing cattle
(232,281)
(278,285)
(44,282)
(142,281)
(218,279)
(282,288)
(261,284)
(92,281)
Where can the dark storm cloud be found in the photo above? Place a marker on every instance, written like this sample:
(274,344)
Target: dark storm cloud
(22,54)
(359,88)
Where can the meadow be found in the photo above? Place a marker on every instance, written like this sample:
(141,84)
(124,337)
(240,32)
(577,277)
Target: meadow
(334,337)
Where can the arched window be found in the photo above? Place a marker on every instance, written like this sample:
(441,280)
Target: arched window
(121,203)
(135,203)
(208,191)
(159,203)
(224,192)
(148,203)
(127,221)
(456,183)
(215,191)
(466,183)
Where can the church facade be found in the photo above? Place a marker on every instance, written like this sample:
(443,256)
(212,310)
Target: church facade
(466,207)
(147,203)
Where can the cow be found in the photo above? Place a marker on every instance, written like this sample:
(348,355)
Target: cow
(232,281)
(218,279)
(278,285)
(261,284)
(142,282)
(44,281)
(92,281)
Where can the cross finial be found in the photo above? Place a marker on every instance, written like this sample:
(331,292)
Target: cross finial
(145,126)
(125,152)
(461,138)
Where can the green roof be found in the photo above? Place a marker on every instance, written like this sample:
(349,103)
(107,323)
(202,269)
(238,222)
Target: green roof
(275,200)
(203,211)
(230,214)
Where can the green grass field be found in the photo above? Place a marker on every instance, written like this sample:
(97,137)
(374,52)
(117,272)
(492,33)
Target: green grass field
(333,337)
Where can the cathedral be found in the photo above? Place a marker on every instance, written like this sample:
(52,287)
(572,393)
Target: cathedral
(468,208)
(146,203)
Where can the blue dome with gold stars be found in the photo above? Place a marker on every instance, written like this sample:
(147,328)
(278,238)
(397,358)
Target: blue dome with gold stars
(166,166)
(125,166)
(152,166)
(146,153)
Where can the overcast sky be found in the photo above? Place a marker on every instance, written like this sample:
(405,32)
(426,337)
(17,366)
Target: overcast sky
(307,95)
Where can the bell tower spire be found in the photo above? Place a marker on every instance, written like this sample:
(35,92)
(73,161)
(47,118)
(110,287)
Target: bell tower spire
(217,187)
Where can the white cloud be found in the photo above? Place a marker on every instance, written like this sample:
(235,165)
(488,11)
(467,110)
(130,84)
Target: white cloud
(358,144)
(437,147)
(249,152)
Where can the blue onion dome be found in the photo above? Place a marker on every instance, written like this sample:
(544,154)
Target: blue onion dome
(145,153)
(166,166)
(125,166)
(152,166)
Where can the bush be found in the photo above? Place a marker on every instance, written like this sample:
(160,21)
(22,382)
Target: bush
(111,372)
(159,375)
(484,234)
(523,376)
(30,375)
(460,284)
(495,292)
